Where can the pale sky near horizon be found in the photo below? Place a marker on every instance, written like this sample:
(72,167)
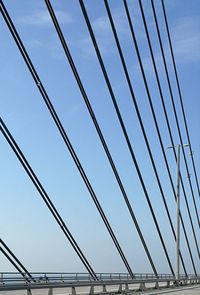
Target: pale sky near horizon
(25,223)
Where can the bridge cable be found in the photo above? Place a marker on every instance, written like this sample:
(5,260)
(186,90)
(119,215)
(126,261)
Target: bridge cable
(9,138)
(177,123)
(154,115)
(175,113)
(141,124)
(169,129)
(171,137)
(180,96)
(156,125)
(98,129)
(14,260)
(62,131)
(116,106)
(166,117)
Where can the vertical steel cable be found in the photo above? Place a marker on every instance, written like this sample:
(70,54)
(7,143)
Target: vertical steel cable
(98,129)
(63,133)
(142,127)
(180,96)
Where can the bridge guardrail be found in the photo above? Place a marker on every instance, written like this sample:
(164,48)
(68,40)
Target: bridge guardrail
(41,277)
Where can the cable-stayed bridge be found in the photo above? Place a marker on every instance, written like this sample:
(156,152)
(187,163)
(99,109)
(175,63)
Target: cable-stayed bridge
(183,188)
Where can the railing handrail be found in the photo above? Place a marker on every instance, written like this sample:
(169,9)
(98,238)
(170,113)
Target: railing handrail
(9,277)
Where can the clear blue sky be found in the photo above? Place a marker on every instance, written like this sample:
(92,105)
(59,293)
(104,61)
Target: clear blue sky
(25,223)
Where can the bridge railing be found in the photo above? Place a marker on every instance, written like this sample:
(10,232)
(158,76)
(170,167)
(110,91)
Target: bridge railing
(42,277)
(106,283)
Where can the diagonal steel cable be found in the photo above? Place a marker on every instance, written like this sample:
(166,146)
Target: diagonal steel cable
(175,112)
(11,141)
(14,261)
(177,123)
(143,131)
(98,129)
(180,96)
(154,119)
(62,132)
(171,138)
(154,115)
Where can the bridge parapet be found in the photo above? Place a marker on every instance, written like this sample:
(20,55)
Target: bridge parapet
(106,283)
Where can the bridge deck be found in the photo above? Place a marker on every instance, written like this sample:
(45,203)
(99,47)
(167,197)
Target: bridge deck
(190,290)
(174,291)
